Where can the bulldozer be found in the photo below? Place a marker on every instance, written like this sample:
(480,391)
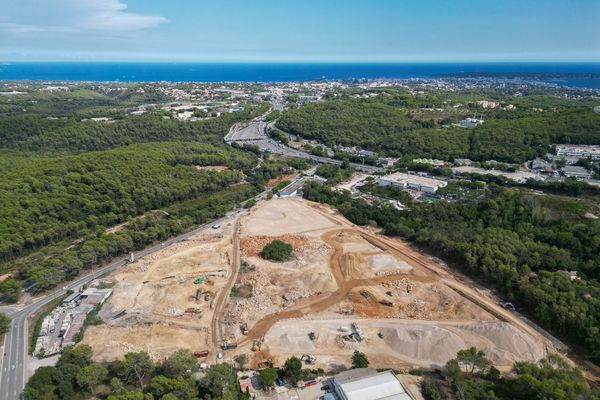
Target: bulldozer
(308,358)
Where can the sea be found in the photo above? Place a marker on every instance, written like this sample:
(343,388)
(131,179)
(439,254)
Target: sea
(582,75)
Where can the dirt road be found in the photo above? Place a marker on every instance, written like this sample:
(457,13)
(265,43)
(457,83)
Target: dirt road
(216,324)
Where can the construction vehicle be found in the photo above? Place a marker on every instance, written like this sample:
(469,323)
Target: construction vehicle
(203,353)
(228,345)
(386,303)
(244,328)
(364,294)
(381,335)
(198,281)
(208,296)
(308,358)
(312,336)
(265,364)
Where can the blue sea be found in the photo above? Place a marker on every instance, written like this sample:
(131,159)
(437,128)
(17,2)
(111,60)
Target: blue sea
(566,74)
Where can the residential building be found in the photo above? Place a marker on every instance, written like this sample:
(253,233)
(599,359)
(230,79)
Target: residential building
(368,384)
(470,122)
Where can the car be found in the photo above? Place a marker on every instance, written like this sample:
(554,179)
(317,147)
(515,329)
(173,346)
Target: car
(217,226)
(220,355)
(325,388)
(202,353)
(280,382)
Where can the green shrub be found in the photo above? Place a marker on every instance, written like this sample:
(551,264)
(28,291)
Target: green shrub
(277,251)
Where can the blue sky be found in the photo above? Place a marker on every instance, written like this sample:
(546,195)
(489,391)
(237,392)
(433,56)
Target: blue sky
(306,30)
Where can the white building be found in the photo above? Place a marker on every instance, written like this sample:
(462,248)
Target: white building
(470,122)
(579,151)
(417,182)
(368,384)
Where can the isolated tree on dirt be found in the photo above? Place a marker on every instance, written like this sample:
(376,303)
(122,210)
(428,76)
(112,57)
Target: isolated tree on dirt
(293,370)
(430,390)
(219,380)
(472,359)
(91,376)
(135,367)
(359,360)
(178,363)
(267,377)
(277,251)
(241,360)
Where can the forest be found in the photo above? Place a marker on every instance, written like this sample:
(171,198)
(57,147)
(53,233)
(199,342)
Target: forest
(515,240)
(396,125)
(469,376)
(65,184)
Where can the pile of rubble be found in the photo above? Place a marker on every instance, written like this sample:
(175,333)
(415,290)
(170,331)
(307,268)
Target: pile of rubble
(417,309)
(403,286)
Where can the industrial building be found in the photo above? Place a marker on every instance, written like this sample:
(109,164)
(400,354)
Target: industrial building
(368,384)
(573,171)
(578,151)
(412,181)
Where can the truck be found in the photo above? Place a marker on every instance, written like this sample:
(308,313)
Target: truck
(228,345)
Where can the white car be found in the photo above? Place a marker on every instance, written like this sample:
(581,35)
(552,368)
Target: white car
(216,226)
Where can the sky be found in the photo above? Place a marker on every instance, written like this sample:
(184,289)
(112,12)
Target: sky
(300,30)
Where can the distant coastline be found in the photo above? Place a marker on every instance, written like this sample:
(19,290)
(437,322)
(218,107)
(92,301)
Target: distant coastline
(583,75)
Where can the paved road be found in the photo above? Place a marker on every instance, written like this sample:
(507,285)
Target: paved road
(14,362)
(255,134)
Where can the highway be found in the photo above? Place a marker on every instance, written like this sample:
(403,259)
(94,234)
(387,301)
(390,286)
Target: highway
(255,133)
(13,363)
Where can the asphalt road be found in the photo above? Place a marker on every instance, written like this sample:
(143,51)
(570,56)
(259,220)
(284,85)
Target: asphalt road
(14,361)
(255,133)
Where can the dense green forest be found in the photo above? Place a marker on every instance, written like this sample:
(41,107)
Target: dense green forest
(64,182)
(395,125)
(470,376)
(514,240)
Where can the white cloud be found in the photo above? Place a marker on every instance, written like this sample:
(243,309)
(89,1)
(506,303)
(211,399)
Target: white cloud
(30,17)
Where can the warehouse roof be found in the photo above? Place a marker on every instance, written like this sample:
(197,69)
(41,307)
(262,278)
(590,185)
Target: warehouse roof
(367,384)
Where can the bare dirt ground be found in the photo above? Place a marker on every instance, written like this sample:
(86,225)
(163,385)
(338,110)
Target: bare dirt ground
(158,295)
(406,343)
(384,285)
(340,275)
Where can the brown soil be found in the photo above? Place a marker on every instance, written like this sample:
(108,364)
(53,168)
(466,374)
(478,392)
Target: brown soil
(251,246)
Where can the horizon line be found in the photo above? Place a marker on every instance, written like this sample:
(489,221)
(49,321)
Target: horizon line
(184,61)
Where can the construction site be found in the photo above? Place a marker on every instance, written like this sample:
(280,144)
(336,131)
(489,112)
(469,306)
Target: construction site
(166,301)
(346,288)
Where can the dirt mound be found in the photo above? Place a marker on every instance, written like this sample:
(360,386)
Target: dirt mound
(438,343)
(251,246)
(354,266)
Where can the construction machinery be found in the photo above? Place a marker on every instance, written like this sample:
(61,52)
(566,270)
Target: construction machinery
(244,328)
(265,364)
(310,359)
(381,335)
(228,345)
(312,336)
(257,344)
(199,280)
(365,294)
(386,303)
